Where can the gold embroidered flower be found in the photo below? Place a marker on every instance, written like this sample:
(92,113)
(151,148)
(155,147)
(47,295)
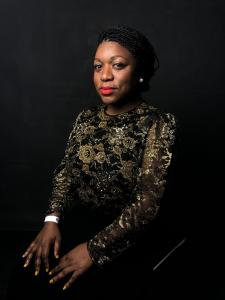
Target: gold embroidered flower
(89,129)
(100,157)
(129,143)
(101,115)
(114,140)
(86,153)
(126,169)
(117,150)
(99,147)
(102,124)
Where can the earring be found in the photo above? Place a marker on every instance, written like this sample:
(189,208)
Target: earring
(141,79)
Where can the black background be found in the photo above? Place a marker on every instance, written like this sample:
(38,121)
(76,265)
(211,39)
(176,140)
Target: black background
(46,56)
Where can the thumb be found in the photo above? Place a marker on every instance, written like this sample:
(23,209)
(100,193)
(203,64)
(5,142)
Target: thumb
(56,248)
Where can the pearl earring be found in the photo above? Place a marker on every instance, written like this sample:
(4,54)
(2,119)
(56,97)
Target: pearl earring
(141,80)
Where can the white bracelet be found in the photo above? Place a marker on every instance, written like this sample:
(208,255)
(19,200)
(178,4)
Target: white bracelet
(54,219)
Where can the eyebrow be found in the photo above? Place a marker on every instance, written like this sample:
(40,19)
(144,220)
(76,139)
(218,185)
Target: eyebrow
(111,58)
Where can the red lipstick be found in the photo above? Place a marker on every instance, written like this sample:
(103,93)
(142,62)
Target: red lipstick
(106,90)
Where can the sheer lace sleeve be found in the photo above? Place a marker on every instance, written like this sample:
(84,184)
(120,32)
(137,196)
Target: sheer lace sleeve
(61,183)
(134,219)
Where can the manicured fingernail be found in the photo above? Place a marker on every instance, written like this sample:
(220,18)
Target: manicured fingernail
(25,265)
(46,270)
(64,288)
(51,281)
(57,256)
(36,273)
(50,273)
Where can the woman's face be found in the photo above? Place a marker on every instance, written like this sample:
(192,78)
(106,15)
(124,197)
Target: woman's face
(115,75)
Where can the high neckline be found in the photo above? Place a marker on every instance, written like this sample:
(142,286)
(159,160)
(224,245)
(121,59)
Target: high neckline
(122,114)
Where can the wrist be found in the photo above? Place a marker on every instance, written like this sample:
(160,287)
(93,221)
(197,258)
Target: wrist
(91,262)
(52,218)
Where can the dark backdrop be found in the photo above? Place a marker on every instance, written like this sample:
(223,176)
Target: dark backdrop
(46,62)
(46,55)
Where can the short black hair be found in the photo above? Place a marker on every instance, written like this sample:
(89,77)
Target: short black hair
(138,45)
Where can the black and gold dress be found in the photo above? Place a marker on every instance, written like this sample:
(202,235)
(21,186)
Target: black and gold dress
(114,174)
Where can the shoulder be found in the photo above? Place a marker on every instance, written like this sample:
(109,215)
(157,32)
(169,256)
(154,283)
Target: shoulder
(161,116)
(169,119)
(163,125)
(88,112)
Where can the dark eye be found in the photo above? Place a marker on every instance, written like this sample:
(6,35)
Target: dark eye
(97,67)
(119,66)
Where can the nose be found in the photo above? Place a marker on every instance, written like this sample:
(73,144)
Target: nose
(106,73)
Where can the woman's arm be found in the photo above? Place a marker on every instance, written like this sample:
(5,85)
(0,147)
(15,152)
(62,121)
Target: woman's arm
(61,184)
(122,233)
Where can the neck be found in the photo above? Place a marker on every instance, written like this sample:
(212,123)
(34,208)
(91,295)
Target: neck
(122,106)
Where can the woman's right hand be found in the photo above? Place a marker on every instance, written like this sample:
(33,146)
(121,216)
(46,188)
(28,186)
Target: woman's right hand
(39,249)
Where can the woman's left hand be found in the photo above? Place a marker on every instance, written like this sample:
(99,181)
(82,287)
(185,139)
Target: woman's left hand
(77,261)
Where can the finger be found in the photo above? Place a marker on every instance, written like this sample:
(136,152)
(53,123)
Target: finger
(29,257)
(37,262)
(63,263)
(57,269)
(56,248)
(60,275)
(29,249)
(71,280)
(45,255)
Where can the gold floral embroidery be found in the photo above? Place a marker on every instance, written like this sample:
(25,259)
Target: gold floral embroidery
(129,143)
(120,167)
(99,147)
(89,129)
(114,140)
(101,114)
(100,157)
(117,150)
(102,124)
(86,154)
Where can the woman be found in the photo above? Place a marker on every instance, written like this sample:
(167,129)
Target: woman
(114,174)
